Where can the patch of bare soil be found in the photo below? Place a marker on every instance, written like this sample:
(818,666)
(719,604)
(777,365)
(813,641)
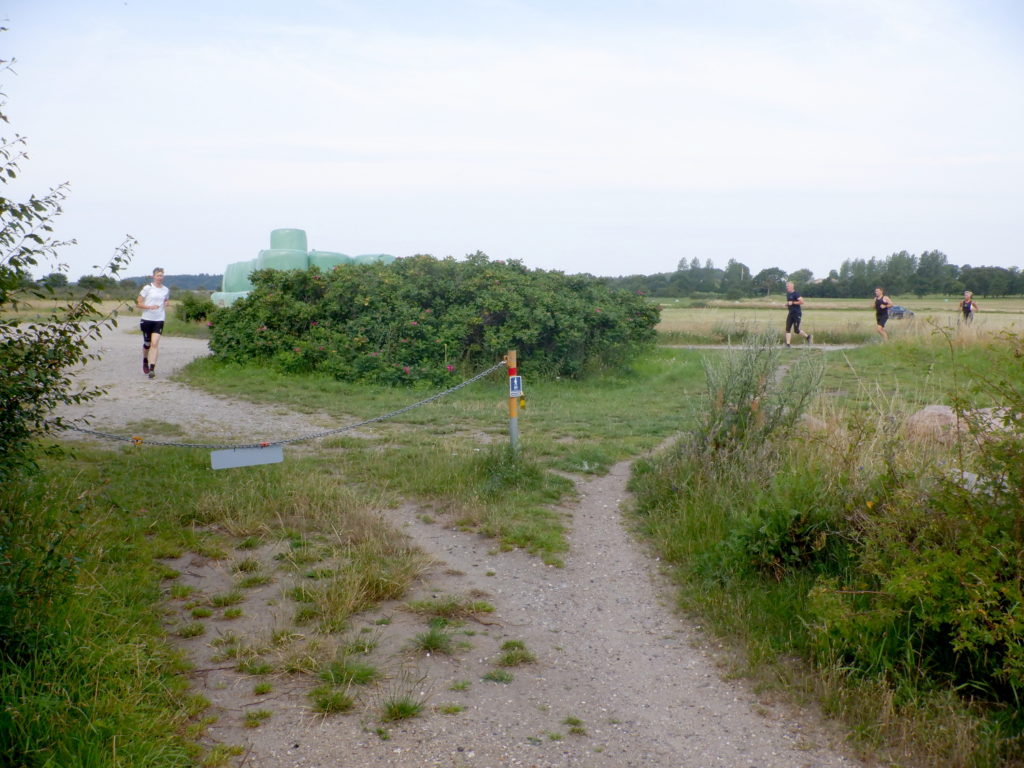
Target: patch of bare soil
(619,678)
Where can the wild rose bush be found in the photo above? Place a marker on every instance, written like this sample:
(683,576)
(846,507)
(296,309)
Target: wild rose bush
(431,320)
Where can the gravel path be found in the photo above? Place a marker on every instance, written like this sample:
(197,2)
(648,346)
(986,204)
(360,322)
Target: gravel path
(132,400)
(611,652)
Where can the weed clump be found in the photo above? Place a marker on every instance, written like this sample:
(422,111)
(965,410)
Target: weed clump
(514,653)
(328,699)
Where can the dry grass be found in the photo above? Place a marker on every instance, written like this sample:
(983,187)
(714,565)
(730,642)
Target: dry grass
(835,320)
(919,731)
(32,308)
(450,607)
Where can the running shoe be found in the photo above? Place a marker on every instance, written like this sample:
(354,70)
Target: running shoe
(152,374)
(145,365)
(810,338)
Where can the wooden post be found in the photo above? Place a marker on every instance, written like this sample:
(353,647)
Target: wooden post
(513,400)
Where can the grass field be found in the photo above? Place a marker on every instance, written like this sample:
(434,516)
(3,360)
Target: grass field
(35,310)
(832,321)
(449,458)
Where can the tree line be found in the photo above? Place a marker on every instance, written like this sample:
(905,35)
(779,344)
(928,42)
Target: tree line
(200,282)
(899,273)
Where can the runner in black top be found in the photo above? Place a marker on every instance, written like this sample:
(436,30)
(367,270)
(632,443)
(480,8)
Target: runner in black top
(968,306)
(794,303)
(882,304)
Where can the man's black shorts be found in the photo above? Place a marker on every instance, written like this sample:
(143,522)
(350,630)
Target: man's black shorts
(793,321)
(881,318)
(149,327)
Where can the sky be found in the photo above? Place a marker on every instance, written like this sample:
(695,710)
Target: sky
(590,136)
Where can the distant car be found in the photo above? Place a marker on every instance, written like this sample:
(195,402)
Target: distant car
(897,312)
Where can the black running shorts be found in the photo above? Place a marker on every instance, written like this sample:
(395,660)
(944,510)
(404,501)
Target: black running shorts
(149,327)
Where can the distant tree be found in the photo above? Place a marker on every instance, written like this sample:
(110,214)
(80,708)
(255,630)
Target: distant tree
(96,282)
(1016,278)
(184,282)
(54,280)
(987,281)
(802,277)
(934,274)
(737,282)
(768,280)
(859,278)
(899,272)
(682,283)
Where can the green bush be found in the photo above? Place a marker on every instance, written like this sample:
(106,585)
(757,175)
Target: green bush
(782,535)
(192,307)
(427,319)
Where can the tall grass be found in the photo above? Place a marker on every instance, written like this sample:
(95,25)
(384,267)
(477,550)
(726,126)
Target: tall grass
(860,552)
(94,684)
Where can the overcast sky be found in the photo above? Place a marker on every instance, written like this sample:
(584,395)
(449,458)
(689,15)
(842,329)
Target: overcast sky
(581,135)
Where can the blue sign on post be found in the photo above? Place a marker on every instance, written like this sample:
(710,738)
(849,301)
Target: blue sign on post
(515,386)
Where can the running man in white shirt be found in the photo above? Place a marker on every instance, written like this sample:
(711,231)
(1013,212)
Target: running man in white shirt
(153,300)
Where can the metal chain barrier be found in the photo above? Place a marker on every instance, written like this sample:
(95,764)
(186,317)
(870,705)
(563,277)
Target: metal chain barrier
(302,438)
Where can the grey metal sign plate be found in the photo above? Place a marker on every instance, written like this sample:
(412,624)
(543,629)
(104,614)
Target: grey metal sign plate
(246,457)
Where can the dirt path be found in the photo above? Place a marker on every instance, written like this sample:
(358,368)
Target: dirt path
(133,402)
(611,653)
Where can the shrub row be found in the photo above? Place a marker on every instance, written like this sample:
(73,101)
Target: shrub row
(428,319)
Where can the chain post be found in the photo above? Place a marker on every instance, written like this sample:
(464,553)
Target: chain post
(514,391)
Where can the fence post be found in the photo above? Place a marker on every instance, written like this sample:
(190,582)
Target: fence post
(514,391)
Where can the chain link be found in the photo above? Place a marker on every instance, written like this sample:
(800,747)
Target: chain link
(135,440)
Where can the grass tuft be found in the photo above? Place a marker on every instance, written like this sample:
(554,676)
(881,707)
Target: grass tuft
(434,640)
(329,700)
(498,676)
(400,708)
(254,718)
(514,653)
(450,607)
(193,629)
(344,671)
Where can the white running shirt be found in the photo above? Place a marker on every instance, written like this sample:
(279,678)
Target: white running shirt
(152,295)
